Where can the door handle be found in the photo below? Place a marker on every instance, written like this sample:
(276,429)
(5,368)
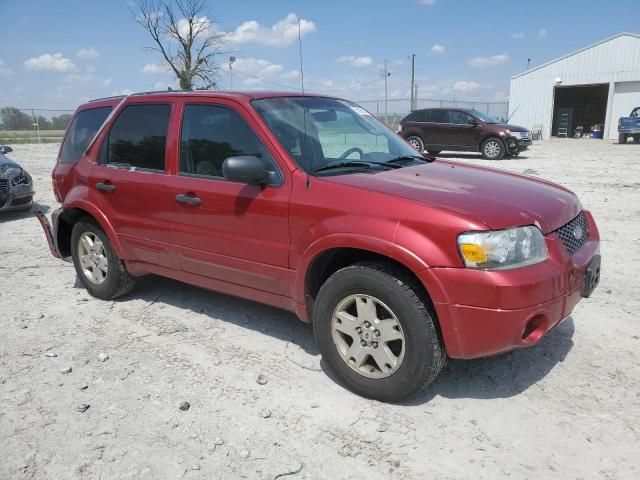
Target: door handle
(106,187)
(188,199)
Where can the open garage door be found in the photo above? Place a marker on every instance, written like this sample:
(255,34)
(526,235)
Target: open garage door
(626,96)
(579,106)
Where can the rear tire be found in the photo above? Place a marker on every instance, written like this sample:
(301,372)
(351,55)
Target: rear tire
(434,152)
(622,138)
(493,149)
(375,362)
(416,142)
(98,267)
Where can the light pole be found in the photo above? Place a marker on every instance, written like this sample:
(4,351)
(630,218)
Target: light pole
(231,60)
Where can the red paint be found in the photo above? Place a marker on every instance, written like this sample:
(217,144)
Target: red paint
(259,243)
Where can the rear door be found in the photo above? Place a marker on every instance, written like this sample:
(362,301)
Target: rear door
(221,229)
(129,181)
(435,129)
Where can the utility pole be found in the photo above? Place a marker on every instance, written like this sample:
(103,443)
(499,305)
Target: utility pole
(528,63)
(415,97)
(231,60)
(413,82)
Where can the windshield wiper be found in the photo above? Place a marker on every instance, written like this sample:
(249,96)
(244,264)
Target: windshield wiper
(409,158)
(356,163)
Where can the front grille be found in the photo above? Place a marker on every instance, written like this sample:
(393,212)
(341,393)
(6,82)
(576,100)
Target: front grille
(574,233)
(4,185)
(526,135)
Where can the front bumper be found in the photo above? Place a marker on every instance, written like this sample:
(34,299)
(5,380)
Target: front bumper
(517,145)
(16,197)
(49,232)
(484,313)
(629,131)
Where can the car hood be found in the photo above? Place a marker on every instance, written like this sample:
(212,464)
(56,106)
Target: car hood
(5,161)
(513,128)
(494,197)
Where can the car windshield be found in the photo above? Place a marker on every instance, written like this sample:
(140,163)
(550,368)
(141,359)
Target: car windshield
(485,118)
(327,136)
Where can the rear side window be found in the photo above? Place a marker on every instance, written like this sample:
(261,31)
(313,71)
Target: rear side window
(138,137)
(439,116)
(211,134)
(81,131)
(418,116)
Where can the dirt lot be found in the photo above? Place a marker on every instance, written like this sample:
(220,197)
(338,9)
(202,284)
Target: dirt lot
(568,408)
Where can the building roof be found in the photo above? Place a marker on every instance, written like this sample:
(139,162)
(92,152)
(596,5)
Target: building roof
(608,39)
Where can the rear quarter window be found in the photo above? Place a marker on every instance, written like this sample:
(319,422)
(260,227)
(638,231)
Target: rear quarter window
(81,131)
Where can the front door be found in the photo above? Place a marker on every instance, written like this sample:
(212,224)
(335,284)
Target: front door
(461,132)
(226,230)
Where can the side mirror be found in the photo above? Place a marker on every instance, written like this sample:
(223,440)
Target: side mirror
(473,122)
(245,169)
(5,149)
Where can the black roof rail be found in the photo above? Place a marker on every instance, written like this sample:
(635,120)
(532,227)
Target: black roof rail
(106,98)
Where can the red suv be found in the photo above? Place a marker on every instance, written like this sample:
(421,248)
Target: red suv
(310,204)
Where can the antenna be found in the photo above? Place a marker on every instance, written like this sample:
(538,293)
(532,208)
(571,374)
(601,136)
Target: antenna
(231,60)
(300,51)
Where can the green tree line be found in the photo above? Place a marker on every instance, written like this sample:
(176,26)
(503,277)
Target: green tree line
(13,119)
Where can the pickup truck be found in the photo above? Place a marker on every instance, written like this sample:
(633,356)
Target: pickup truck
(629,126)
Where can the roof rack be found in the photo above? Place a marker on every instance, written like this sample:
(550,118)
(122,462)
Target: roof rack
(106,98)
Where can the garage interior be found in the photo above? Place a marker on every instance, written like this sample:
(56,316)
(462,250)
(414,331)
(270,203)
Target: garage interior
(579,106)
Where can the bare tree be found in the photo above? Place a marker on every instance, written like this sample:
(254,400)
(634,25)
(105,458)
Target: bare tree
(185,36)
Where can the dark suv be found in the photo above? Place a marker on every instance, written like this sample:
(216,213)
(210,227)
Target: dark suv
(437,129)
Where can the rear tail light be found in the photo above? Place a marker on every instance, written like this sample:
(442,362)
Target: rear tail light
(54,187)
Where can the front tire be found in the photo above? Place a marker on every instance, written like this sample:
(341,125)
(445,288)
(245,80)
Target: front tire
(493,149)
(376,332)
(416,142)
(98,267)
(622,138)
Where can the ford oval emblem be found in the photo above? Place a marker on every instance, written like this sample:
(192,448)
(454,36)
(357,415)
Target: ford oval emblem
(577,232)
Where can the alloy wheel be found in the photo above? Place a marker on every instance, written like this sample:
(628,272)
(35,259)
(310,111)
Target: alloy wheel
(93,258)
(368,336)
(492,149)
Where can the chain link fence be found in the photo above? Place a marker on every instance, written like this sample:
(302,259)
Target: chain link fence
(397,109)
(47,126)
(35,125)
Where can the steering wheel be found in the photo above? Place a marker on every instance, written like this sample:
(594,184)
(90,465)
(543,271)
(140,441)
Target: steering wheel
(350,151)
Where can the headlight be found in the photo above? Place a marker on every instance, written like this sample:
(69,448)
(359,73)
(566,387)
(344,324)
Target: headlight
(502,249)
(516,134)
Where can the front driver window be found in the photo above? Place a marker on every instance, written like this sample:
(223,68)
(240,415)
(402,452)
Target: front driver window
(211,134)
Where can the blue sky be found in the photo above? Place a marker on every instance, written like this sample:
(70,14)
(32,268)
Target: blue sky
(57,54)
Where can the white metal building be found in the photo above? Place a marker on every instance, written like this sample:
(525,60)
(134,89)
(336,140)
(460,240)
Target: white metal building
(591,87)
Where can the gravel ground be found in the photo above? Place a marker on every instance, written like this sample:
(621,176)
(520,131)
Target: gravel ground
(567,408)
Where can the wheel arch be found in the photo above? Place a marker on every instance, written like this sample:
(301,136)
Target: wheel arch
(70,216)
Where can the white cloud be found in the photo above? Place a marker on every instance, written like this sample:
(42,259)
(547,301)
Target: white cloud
(542,33)
(517,35)
(489,61)
(355,61)
(429,3)
(5,71)
(106,82)
(437,49)
(87,53)
(201,25)
(89,69)
(257,66)
(291,75)
(154,69)
(281,34)
(46,61)
(465,86)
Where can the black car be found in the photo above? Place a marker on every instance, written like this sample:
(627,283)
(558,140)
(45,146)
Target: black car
(16,185)
(438,129)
